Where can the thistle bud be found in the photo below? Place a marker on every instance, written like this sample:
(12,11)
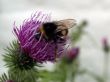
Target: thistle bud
(72,54)
(105,44)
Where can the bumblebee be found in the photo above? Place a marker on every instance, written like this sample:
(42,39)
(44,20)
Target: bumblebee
(56,30)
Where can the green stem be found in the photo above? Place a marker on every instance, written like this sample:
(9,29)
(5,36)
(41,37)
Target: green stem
(106,63)
(92,39)
(95,76)
(69,73)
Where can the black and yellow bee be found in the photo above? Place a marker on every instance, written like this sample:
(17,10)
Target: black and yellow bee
(56,30)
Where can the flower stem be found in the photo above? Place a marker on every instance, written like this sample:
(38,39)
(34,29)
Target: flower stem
(91,38)
(106,63)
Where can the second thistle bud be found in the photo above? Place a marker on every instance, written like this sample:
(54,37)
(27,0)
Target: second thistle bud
(72,54)
(105,44)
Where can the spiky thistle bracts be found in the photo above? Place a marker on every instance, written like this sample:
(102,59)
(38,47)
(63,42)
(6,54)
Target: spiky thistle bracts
(6,78)
(15,59)
(39,49)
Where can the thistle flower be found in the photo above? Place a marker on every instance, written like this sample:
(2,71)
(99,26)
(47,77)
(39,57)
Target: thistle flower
(105,44)
(39,49)
(72,54)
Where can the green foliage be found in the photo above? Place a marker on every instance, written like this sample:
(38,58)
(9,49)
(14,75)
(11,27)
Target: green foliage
(16,59)
(21,67)
(20,76)
(4,78)
(76,35)
(98,78)
(55,76)
(10,56)
(61,72)
(24,75)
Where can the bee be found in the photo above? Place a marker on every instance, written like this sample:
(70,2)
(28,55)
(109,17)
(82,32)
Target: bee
(56,30)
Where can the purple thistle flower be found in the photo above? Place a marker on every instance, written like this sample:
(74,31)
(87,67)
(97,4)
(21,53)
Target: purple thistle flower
(105,44)
(9,81)
(72,54)
(39,49)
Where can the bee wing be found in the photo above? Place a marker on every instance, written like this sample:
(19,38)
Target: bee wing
(66,24)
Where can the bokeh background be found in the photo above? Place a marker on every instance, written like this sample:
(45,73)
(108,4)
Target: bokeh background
(95,12)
